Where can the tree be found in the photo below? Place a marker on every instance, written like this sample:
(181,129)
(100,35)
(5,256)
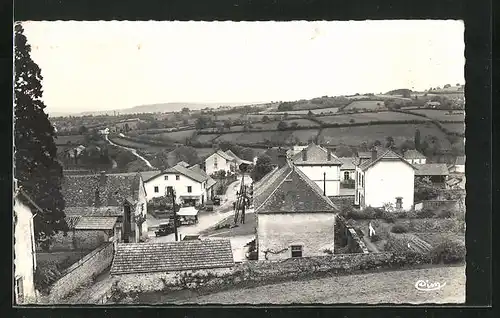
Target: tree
(389,142)
(310,114)
(447,86)
(185,110)
(227,124)
(265,119)
(36,168)
(295,125)
(201,123)
(282,125)
(416,140)
(186,154)
(262,167)
(82,130)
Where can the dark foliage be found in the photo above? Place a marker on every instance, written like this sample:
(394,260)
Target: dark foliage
(399,228)
(448,252)
(262,167)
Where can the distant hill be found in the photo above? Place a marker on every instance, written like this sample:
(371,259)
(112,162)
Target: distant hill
(152,108)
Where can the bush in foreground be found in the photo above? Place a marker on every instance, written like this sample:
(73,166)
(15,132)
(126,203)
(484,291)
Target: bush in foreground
(448,252)
(399,228)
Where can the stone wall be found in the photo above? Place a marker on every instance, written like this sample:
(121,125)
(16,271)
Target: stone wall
(346,235)
(78,240)
(342,200)
(252,273)
(82,272)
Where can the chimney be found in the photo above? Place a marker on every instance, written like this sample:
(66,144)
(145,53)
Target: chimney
(329,154)
(304,155)
(374,154)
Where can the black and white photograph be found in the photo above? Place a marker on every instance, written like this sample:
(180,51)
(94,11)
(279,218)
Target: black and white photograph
(297,162)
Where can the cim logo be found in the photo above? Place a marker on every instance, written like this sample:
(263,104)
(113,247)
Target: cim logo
(425,285)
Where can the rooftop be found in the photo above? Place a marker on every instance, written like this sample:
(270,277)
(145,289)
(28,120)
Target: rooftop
(95,223)
(131,258)
(315,155)
(431,169)
(383,154)
(195,175)
(347,163)
(289,190)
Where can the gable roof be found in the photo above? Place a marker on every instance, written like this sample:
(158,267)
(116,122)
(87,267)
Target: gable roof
(347,163)
(147,175)
(384,154)
(172,256)
(95,223)
(431,169)
(364,155)
(413,154)
(106,211)
(289,190)
(316,155)
(113,189)
(194,175)
(197,169)
(236,158)
(222,154)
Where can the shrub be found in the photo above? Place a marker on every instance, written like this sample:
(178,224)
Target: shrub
(445,214)
(425,213)
(448,252)
(327,251)
(374,238)
(399,228)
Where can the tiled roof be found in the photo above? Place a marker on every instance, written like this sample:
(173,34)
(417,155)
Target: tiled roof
(460,160)
(114,189)
(431,169)
(146,175)
(383,155)
(71,221)
(413,154)
(94,211)
(96,223)
(289,190)
(172,256)
(188,173)
(197,169)
(316,155)
(224,155)
(347,163)
(236,158)
(210,183)
(364,155)
(183,163)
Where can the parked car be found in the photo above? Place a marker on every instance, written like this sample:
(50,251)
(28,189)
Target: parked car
(164,229)
(209,205)
(216,201)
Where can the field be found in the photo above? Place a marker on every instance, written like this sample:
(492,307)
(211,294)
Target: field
(303,136)
(400,132)
(368,104)
(73,139)
(441,115)
(257,137)
(372,288)
(367,117)
(206,138)
(305,111)
(178,136)
(455,127)
(136,144)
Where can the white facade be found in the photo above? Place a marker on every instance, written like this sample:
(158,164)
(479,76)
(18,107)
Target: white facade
(216,163)
(323,174)
(347,174)
(278,232)
(457,168)
(419,161)
(141,209)
(24,254)
(182,185)
(384,182)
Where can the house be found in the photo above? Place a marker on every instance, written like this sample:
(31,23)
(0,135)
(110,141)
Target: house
(24,248)
(294,150)
(347,169)
(436,172)
(191,185)
(294,218)
(458,166)
(120,196)
(240,163)
(414,157)
(321,166)
(385,178)
(362,157)
(127,124)
(145,263)
(219,161)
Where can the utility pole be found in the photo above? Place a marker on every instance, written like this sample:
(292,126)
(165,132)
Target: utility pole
(324,183)
(243,196)
(175,213)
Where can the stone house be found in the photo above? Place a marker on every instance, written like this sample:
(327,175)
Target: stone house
(24,248)
(321,166)
(436,172)
(385,178)
(191,185)
(220,161)
(120,197)
(149,266)
(414,157)
(294,218)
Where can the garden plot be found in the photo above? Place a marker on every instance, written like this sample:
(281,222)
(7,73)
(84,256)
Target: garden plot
(440,115)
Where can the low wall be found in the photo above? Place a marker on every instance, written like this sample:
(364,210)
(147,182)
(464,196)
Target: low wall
(78,240)
(251,273)
(437,205)
(343,200)
(82,272)
(349,237)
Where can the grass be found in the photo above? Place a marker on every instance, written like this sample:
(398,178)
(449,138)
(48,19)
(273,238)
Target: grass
(256,137)
(368,117)
(73,139)
(368,104)
(400,132)
(178,136)
(440,115)
(136,144)
(303,136)
(373,288)
(455,127)
(305,111)
(206,138)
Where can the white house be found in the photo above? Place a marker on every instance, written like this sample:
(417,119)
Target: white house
(190,185)
(219,161)
(24,249)
(385,178)
(347,169)
(321,166)
(294,218)
(459,165)
(415,157)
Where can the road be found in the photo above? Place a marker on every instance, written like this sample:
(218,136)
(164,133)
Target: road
(373,288)
(132,150)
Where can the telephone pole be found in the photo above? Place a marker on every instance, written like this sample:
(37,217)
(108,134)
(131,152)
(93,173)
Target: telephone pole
(243,198)
(175,213)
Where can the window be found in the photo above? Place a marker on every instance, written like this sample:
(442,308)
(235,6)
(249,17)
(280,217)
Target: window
(166,177)
(190,189)
(346,175)
(177,177)
(19,290)
(296,250)
(399,203)
(362,180)
(157,190)
(169,190)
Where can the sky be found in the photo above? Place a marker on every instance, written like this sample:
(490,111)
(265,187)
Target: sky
(89,66)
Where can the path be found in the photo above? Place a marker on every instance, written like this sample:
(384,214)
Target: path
(373,288)
(371,247)
(132,150)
